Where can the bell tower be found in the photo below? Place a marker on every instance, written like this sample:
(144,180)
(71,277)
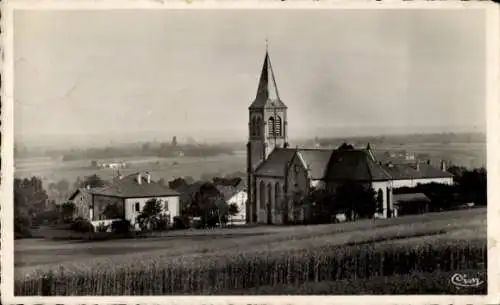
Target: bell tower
(267,127)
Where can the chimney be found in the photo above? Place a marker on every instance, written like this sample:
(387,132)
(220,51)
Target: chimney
(370,152)
(139,178)
(443,165)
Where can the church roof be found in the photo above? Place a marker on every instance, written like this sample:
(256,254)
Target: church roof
(316,161)
(356,165)
(275,164)
(267,91)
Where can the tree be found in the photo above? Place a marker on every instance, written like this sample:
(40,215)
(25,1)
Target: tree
(206,202)
(356,199)
(222,209)
(233,210)
(323,205)
(22,216)
(30,199)
(177,183)
(457,171)
(472,186)
(152,215)
(67,211)
(90,181)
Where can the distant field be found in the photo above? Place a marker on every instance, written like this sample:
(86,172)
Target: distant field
(167,168)
(457,232)
(465,154)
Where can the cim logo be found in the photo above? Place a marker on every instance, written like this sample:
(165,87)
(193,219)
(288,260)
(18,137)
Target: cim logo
(461,280)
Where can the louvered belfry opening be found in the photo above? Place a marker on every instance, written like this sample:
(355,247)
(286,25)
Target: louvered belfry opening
(271,127)
(277,126)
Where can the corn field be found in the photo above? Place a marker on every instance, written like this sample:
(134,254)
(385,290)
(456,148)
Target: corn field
(240,271)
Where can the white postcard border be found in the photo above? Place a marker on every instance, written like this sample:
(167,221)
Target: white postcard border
(493,149)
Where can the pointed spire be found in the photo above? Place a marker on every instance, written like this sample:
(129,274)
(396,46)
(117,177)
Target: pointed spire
(267,91)
(267,84)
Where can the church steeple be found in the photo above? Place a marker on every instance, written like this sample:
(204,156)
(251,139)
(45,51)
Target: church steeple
(267,91)
(267,117)
(267,129)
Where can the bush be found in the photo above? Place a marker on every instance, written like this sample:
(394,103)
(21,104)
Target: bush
(82,225)
(121,226)
(102,228)
(162,223)
(181,222)
(22,226)
(47,217)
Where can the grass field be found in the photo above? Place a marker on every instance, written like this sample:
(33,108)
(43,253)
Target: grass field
(414,254)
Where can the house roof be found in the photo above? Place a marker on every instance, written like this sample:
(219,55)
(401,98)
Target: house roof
(275,164)
(267,91)
(77,191)
(128,187)
(316,161)
(410,197)
(356,165)
(410,171)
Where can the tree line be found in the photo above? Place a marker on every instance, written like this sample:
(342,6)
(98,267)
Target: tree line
(203,200)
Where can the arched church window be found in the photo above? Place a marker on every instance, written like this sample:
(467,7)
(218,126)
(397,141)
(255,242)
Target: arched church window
(270,196)
(262,194)
(380,201)
(277,125)
(270,124)
(277,195)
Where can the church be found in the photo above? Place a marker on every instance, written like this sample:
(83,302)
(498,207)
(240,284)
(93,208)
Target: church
(275,170)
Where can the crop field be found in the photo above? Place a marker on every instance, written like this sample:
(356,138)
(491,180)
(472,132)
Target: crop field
(413,254)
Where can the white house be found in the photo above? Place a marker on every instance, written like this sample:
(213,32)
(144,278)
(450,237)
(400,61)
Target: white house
(126,196)
(237,195)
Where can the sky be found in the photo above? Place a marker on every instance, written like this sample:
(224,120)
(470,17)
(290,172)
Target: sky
(142,75)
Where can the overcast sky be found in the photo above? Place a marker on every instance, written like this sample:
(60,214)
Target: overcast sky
(145,74)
